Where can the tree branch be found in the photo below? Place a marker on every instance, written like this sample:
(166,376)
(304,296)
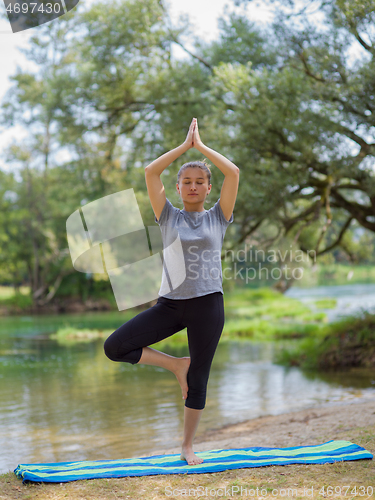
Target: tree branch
(289,223)
(352,135)
(348,106)
(357,211)
(339,238)
(307,69)
(193,55)
(328,212)
(365,45)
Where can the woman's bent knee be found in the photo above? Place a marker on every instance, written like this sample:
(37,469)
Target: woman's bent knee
(118,353)
(109,350)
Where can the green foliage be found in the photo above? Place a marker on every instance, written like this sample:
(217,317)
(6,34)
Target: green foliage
(17,301)
(299,154)
(326,303)
(241,41)
(344,344)
(265,314)
(286,103)
(69,335)
(91,72)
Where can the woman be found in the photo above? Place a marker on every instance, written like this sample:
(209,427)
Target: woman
(197,303)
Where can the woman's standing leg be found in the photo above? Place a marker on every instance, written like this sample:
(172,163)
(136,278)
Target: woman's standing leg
(204,317)
(191,422)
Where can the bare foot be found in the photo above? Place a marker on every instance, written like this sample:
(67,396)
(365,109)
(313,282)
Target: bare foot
(191,458)
(181,374)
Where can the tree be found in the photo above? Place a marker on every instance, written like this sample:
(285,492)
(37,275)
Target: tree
(87,94)
(304,126)
(286,105)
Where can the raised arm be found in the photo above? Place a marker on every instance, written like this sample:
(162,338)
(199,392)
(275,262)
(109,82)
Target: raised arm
(153,171)
(231,172)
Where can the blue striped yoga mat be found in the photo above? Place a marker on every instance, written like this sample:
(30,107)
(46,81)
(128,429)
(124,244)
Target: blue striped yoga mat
(214,461)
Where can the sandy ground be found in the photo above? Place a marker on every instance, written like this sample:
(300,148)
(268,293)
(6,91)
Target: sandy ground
(306,427)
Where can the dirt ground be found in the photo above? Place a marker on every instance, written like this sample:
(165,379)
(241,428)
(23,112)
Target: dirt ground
(300,428)
(353,421)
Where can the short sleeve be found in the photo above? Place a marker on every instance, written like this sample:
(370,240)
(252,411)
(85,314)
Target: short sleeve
(219,214)
(165,213)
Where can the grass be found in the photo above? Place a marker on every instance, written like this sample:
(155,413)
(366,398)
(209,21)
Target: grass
(265,314)
(302,481)
(343,344)
(69,335)
(261,314)
(7,292)
(337,274)
(319,275)
(325,303)
(10,299)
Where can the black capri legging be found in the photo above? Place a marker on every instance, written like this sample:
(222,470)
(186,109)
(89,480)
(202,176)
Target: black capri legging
(204,319)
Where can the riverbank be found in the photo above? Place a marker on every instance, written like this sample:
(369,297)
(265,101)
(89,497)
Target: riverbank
(20,307)
(353,421)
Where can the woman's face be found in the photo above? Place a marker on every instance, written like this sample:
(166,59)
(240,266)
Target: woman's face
(193,186)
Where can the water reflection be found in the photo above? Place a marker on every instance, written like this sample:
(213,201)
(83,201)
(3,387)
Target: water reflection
(253,386)
(60,403)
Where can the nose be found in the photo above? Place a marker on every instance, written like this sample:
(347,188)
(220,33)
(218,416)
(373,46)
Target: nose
(193,187)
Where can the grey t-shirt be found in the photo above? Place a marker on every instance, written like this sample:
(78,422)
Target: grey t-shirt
(192,244)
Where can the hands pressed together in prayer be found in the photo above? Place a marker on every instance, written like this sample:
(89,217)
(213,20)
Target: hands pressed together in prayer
(193,139)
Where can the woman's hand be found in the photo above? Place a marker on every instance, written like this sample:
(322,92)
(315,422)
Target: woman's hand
(196,138)
(190,136)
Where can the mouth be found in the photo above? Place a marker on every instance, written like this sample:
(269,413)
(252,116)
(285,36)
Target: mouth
(192,194)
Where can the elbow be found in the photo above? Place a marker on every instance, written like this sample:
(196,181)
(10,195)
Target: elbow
(149,169)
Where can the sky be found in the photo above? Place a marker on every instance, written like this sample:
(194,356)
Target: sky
(203,15)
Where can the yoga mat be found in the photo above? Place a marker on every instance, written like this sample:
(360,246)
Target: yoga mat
(214,461)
